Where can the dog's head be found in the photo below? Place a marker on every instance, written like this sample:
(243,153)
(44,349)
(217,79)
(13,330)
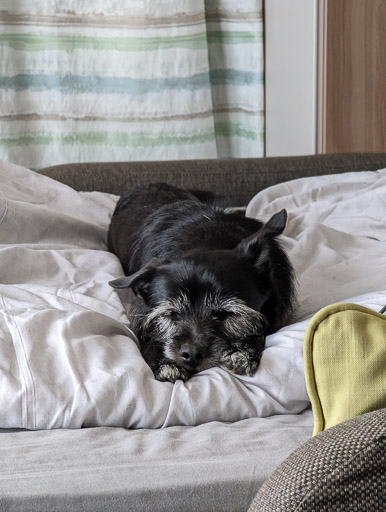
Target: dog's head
(207,302)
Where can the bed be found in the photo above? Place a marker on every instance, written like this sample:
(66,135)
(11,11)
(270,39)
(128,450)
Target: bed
(84,425)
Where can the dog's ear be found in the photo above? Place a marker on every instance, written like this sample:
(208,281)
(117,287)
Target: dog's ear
(139,281)
(254,244)
(277,223)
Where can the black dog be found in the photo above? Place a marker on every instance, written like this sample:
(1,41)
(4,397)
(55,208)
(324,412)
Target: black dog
(207,285)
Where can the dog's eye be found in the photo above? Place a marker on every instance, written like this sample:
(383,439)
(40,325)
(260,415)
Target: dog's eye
(142,292)
(173,315)
(220,314)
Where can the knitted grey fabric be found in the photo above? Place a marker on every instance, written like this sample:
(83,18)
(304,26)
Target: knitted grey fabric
(237,180)
(340,469)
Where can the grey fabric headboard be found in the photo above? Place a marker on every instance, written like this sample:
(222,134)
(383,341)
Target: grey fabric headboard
(237,180)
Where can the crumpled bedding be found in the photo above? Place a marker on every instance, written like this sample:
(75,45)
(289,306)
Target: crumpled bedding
(67,356)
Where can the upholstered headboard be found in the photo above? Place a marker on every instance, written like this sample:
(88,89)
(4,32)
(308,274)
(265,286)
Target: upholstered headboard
(236,179)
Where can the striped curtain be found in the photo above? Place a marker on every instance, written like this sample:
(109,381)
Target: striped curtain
(117,80)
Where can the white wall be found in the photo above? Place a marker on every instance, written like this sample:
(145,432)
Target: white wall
(292,61)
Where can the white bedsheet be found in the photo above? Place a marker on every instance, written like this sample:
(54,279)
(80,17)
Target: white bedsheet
(67,356)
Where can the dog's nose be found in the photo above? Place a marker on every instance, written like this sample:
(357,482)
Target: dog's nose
(191,354)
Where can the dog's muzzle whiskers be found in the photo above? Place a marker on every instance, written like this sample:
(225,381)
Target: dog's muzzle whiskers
(242,320)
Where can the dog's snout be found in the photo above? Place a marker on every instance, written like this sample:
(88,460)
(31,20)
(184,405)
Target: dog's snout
(191,354)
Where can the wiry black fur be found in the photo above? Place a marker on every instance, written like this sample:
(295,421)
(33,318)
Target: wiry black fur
(207,285)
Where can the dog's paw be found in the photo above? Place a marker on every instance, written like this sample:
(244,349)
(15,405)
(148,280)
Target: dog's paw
(243,361)
(170,372)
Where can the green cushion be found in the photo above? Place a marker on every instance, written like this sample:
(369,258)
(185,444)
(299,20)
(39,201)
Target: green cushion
(345,363)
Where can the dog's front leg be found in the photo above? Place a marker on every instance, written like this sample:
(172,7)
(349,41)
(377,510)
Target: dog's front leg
(168,371)
(243,358)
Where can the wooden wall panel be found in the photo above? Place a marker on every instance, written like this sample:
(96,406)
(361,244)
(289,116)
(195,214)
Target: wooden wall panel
(355,76)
